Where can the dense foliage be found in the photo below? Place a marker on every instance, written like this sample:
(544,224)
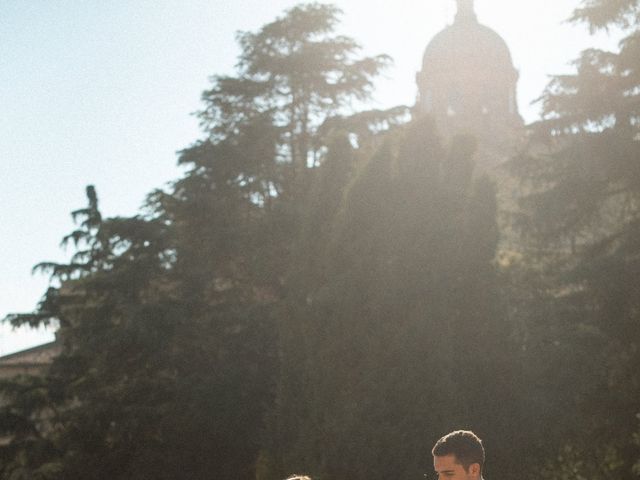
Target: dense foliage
(319,291)
(580,218)
(394,321)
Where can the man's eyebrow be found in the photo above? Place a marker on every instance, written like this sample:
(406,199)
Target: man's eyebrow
(445,471)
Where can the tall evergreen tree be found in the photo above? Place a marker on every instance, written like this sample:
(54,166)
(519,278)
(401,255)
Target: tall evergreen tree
(581,212)
(109,390)
(394,332)
(235,212)
(166,319)
(298,72)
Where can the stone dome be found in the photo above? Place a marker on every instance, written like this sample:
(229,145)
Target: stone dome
(468,83)
(468,42)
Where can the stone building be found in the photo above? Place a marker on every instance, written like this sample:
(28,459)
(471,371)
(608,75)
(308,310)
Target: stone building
(32,361)
(468,84)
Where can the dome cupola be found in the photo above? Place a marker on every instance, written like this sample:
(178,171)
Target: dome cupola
(466,11)
(468,81)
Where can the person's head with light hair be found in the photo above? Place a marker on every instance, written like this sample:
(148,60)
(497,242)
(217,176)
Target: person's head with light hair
(298,477)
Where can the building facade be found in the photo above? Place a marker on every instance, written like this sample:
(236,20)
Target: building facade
(468,84)
(33,361)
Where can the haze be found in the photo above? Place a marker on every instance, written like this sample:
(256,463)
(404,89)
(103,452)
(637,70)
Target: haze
(100,93)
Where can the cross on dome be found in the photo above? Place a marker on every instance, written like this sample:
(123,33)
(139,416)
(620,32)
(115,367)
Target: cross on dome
(465,10)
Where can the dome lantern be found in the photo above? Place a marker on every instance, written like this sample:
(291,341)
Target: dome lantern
(466,11)
(468,83)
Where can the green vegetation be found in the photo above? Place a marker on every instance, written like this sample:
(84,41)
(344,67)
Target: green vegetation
(580,221)
(319,291)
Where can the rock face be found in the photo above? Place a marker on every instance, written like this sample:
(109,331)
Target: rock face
(468,85)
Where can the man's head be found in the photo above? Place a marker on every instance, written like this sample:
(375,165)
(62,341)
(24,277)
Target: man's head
(458,455)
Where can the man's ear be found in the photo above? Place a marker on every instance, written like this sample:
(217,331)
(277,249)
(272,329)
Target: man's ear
(474,469)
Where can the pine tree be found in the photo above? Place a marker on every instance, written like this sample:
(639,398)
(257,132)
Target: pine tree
(581,213)
(296,71)
(234,215)
(167,319)
(394,331)
(114,326)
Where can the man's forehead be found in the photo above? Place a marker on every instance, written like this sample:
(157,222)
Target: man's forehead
(445,462)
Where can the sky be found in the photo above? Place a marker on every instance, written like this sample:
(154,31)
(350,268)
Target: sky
(102,93)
